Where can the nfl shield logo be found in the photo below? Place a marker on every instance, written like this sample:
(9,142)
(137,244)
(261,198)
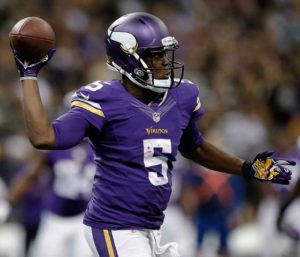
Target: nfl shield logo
(156,116)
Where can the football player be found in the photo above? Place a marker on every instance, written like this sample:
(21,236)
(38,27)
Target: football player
(288,219)
(72,171)
(136,125)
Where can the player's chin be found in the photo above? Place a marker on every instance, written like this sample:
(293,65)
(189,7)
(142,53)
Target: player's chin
(162,76)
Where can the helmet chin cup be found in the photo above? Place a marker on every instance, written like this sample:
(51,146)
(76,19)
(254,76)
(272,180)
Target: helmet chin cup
(156,85)
(161,85)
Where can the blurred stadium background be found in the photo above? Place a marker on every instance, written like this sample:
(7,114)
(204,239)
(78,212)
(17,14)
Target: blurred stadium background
(245,57)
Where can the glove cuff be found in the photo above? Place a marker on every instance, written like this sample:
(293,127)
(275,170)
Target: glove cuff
(28,73)
(28,78)
(247,170)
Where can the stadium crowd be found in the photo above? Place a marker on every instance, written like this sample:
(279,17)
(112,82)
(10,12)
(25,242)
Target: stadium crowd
(245,57)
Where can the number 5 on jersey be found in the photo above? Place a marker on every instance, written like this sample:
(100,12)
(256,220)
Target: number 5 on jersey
(151,160)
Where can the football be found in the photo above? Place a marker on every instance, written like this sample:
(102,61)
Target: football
(32,38)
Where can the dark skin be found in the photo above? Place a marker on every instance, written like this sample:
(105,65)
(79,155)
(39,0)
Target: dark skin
(156,60)
(41,133)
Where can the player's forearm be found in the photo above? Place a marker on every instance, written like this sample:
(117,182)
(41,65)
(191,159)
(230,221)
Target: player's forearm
(39,129)
(21,186)
(213,158)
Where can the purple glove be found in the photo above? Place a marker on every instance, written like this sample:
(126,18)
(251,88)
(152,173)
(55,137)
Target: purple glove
(27,70)
(265,168)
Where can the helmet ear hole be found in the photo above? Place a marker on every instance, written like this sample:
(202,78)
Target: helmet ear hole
(140,74)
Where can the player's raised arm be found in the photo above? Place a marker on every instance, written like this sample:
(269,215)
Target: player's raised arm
(39,129)
(32,41)
(29,41)
(42,133)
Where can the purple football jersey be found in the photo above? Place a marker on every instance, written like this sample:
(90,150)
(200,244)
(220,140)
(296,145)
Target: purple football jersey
(134,144)
(72,173)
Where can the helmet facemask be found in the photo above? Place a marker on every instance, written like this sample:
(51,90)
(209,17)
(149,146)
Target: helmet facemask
(147,74)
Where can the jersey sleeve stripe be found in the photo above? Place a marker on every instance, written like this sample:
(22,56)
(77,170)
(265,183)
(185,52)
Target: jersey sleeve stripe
(80,99)
(88,108)
(198,105)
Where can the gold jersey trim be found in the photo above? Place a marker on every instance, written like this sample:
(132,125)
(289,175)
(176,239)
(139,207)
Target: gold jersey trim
(198,105)
(88,107)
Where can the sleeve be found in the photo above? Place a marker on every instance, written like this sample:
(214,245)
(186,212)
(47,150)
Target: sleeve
(89,103)
(198,110)
(196,107)
(191,138)
(189,98)
(72,127)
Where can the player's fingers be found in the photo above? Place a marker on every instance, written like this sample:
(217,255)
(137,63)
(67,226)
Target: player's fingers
(281,170)
(47,57)
(285,162)
(281,181)
(265,155)
(19,60)
(51,52)
(284,176)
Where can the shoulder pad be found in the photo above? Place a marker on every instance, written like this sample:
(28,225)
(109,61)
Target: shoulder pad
(189,93)
(189,88)
(185,81)
(95,91)
(91,96)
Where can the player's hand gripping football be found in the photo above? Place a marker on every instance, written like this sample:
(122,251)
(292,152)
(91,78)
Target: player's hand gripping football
(265,168)
(31,70)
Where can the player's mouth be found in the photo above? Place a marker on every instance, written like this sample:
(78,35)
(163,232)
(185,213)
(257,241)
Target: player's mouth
(164,74)
(167,75)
